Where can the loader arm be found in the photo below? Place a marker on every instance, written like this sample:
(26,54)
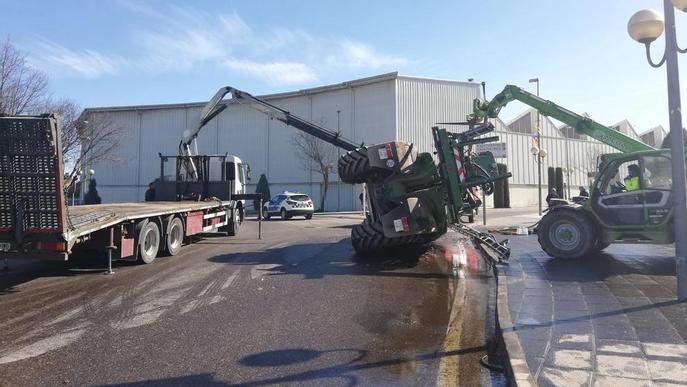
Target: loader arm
(482,110)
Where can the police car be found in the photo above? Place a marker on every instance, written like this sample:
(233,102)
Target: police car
(288,204)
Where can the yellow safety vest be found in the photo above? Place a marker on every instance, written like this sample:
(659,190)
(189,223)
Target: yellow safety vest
(632,184)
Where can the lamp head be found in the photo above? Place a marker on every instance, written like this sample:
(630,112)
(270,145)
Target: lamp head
(646,25)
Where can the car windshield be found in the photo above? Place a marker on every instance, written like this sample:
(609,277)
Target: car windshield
(300,198)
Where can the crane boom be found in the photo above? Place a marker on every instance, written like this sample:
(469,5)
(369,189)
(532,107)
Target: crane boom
(483,110)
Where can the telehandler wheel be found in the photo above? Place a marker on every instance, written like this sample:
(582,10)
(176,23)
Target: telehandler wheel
(600,245)
(354,166)
(368,237)
(566,234)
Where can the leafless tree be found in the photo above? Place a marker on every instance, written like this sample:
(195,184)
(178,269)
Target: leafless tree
(315,155)
(22,88)
(88,139)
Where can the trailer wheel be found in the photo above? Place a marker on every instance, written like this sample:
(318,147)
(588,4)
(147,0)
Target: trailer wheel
(175,236)
(368,237)
(148,241)
(566,234)
(354,166)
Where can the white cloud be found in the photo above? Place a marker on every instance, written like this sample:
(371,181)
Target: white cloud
(86,63)
(360,55)
(180,39)
(281,73)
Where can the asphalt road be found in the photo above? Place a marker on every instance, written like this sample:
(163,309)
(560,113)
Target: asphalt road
(296,307)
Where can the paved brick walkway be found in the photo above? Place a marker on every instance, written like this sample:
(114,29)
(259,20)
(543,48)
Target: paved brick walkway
(610,319)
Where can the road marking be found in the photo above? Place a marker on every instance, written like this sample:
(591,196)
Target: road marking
(45,345)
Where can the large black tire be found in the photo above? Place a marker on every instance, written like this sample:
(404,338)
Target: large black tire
(354,166)
(175,236)
(368,237)
(566,233)
(600,245)
(235,223)
(148,241)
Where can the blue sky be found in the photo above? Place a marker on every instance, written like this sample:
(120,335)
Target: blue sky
(105,53)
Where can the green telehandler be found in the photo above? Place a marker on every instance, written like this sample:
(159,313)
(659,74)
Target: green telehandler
(630,200)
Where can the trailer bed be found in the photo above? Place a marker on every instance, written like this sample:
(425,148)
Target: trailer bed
(83,220)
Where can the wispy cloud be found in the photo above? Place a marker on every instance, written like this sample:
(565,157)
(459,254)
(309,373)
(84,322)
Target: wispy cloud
(86,63)
(180,39)
(361,55)
(280,73)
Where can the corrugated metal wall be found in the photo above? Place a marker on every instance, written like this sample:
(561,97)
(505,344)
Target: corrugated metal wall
(366,113)
(421,103)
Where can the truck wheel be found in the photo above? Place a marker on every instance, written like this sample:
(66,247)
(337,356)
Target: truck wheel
(175,236)
(354,166)
(148,242)
(235,224)
(368,237)
(566,234)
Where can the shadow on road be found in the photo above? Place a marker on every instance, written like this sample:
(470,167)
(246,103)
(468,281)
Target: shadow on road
(317,260)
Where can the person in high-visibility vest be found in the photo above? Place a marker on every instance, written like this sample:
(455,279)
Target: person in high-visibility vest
(632,179)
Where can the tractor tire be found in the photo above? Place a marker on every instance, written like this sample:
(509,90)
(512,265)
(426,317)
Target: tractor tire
(368,237)
(566,234)
(354,166)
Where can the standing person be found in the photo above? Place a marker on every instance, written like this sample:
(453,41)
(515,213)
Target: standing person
(583,192)
(553,194)
(150,192)
(91,196)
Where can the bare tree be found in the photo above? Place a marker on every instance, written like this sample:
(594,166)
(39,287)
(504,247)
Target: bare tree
(88,139)
(315,155)
(22,88)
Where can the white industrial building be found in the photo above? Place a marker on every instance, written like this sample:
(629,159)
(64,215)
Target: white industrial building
(370,110)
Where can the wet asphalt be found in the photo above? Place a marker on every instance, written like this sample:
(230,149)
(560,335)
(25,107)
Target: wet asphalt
(295,308)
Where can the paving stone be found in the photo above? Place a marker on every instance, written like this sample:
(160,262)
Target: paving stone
(610,332)
(572,341)
(625,366)
(559,377)
(573,327)
(577,305)
(613,381)
(668,371)
(665,350)
(662,335)
(619,347)
(570,358)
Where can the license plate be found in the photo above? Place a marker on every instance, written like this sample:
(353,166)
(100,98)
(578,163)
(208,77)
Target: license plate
(4,246)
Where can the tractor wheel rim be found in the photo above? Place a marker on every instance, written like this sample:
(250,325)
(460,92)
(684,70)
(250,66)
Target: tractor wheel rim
(565,235)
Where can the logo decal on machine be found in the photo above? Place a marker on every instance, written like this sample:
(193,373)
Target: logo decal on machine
(386,152)
(401,225)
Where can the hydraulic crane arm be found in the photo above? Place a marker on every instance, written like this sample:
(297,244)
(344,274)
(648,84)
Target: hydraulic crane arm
(482,110)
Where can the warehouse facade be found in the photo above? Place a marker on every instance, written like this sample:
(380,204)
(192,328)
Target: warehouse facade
(369,111)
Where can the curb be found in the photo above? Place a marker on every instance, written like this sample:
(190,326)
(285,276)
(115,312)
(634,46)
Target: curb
(516,368)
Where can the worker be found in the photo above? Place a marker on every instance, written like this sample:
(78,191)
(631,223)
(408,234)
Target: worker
(91,196)
(150,192)
(583,192)
(553,194)
(632,180)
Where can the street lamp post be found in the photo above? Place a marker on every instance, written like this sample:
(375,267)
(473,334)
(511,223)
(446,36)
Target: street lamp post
(646,26)
(539,159)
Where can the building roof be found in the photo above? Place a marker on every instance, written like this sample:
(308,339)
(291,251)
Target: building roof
(288,94)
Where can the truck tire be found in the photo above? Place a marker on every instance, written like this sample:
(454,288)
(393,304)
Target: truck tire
(148,241)
(368,237)
(175,236)
(566,234)
(354,166)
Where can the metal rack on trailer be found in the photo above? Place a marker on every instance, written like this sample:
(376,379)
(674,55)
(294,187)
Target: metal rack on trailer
(35,221)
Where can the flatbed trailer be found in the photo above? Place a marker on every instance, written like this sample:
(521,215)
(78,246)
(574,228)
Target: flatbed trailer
(35,221)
